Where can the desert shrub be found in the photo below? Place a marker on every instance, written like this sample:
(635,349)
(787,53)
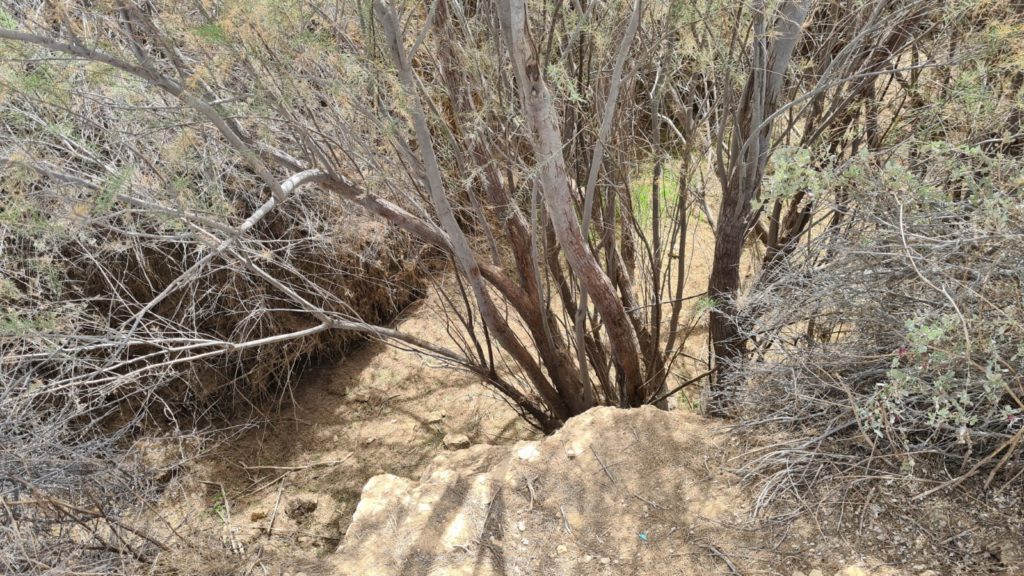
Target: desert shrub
(82,384)
(892,340)
(84,375)
(121,317)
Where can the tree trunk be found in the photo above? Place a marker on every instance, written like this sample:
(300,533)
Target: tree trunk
(741,180)
(547,144)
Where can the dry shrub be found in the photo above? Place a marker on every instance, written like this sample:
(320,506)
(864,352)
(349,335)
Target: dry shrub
(88,366)
(117,318)
(82,380)
(891,344)
(343,263)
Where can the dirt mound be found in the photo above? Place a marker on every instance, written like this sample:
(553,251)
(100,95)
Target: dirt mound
(614,492)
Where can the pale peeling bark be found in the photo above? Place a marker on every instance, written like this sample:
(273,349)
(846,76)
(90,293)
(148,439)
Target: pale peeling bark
(461,251)
(604,132)
(547,145)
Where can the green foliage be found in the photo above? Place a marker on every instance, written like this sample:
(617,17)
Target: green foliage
(562,84)
(933,374)
(642,189)
(794,171)
(7,21)
(22,215)
(920,296)
(219,508)
(19,322)
(212,32)
(925,368)
(105,198)
(705,304)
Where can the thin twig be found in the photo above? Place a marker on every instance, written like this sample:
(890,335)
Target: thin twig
(277,505)
(715,551)
(296,468)
(603,467)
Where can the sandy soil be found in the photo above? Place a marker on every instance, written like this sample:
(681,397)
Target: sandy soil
(282,494)
(286,490)
(641,492)
(279,498)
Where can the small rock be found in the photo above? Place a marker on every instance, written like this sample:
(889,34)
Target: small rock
(606,561)
(300,508)
(525,542)
(528,452)
(588,558)
(435,418)
(852,571)
(929,573)
(573,451)
(799,573)
(456,441)
(562,549)
(672,403)
(816,572)
(521,525)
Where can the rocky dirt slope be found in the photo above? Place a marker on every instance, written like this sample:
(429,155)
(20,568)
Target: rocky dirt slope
(615,492)
(453,482)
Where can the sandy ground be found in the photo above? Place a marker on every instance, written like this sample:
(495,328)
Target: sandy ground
(640,492)
(288,488)
(283,494)
(278,499)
